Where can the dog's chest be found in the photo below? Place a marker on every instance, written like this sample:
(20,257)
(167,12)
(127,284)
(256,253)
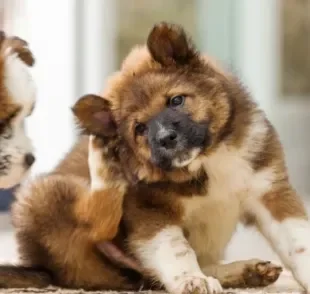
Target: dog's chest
(210,220)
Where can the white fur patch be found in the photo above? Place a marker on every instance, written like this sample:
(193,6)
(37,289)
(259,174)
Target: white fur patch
(169,256)
(18,81)
(297,235)
(290,239)
(95,164)
(177,162)
(162,130)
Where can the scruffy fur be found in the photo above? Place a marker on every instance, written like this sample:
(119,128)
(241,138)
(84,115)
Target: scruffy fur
(177,216)
(17,98)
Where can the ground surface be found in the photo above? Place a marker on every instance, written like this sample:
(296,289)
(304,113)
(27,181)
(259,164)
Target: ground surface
(284,285)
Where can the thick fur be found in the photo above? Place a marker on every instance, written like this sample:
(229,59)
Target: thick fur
(179,217)
(82,216)
(17,99)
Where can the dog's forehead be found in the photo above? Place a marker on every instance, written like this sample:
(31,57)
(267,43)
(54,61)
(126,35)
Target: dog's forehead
(146,95)
(129,87)
(143,85)
(139,60)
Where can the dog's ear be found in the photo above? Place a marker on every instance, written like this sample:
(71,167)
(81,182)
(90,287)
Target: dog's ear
(169,45)
(94,115)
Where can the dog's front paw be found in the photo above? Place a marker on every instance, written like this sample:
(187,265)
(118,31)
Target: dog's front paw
(104,165)
(196,284)
(15,45)
(95,163)
(259,273)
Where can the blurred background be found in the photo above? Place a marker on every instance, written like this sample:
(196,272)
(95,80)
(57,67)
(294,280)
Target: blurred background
(78,43)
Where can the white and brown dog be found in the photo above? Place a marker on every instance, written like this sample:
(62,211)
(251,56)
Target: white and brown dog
(17,99)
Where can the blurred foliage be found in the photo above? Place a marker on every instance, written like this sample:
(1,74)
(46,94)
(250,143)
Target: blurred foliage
(295,59)
(137,17)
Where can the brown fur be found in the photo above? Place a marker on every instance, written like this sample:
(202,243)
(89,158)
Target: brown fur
(58,231)
(79,227)
(75,256)
(283,203)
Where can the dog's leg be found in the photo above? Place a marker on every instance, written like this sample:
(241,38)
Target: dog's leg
(169,257)
(281,217)
(104,197)
(245,273)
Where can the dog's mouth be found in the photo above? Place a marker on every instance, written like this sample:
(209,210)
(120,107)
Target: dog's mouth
(178,160)
(185,158)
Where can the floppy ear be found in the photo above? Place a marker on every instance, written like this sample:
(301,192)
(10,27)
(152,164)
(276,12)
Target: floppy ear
(168,45)
(94,115)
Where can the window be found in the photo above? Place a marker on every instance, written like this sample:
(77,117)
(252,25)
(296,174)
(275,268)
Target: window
(295,42)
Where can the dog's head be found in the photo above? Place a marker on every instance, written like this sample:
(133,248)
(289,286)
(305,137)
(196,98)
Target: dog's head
(170,105)
(17,98)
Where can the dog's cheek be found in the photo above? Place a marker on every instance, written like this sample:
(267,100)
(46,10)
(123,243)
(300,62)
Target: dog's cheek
(142,148)
(221,111)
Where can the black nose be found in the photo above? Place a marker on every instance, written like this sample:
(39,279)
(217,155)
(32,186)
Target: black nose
(169,139)
(29,159)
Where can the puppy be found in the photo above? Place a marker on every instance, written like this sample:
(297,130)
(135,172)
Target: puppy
(204,157)
(88,210)
(17,99)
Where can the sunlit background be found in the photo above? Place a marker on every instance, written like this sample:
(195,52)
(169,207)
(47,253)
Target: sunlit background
(78,43)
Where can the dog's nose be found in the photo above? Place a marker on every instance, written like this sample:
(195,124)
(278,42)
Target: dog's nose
(29,159)
(168,140)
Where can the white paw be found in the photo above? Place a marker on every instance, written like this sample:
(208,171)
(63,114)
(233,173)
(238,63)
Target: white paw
(198,284)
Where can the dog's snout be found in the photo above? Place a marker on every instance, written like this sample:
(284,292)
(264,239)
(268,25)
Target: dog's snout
(29,159)
(168,140)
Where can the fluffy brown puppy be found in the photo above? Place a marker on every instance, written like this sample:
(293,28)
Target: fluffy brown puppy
(85,211)
(205,157)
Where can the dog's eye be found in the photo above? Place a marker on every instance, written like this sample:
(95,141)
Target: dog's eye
(177,101)
(140,128)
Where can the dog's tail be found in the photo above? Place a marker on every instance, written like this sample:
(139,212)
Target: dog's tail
(24,277)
